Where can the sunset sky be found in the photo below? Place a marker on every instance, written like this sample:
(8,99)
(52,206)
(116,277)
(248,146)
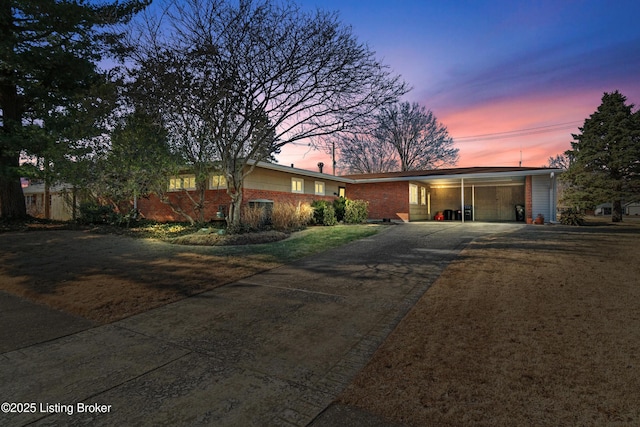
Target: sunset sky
(505,76)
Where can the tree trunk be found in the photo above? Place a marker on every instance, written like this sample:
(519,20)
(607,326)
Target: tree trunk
(12,205)
(234,219)
(616,211)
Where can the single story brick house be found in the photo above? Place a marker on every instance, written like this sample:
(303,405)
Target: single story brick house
(465,194)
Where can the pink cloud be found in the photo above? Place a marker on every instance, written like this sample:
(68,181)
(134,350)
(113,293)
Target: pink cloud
(532,128)
(550,118)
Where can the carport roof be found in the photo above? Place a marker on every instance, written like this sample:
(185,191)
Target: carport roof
(455,171)
(440,175)
(453,175)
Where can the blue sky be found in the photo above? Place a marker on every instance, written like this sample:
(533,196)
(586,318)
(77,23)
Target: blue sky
(505,77)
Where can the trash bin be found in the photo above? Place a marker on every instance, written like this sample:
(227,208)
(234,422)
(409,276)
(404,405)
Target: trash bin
(519,213)
(468,212)
(458,214)
(448,214)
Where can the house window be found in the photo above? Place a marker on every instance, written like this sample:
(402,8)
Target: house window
(342,191)
(217,182)
(182,182)
(319,188)
(413,194)
(423,196)
(297,185)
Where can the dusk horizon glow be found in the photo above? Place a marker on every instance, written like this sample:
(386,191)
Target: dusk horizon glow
(512,81)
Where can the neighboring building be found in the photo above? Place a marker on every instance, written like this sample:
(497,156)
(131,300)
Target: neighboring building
(59,201)
(629,209)
(467,194)
(632,209)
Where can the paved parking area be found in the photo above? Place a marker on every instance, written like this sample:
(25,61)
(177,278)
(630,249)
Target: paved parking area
(273,349)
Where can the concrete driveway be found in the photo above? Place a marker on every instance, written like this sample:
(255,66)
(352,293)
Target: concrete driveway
(273,349)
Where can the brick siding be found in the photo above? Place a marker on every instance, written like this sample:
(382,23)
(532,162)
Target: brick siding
(386,199)
(154,209)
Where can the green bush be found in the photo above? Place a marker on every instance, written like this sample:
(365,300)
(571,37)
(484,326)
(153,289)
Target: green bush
(323,213)
(94,213)
(339,206)
(571,216)
(356,211)
(329,215)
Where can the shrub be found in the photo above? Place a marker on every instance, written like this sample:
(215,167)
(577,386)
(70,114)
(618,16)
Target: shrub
(253,217)
(324,213)
(571,216)
(305,214)
(94,213)
(356,211)
(329,215)
(287,216)
(283,216)
(339,206)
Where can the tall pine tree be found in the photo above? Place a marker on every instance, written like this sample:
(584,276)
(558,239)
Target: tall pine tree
(48,55)
(605,164)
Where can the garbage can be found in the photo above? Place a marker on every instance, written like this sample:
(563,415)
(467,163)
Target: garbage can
(468,212)
(519,213)
(458,214)
(448,214)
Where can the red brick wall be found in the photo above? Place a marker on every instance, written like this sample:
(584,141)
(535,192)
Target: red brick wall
(528,197)
(152,208)
(386,200)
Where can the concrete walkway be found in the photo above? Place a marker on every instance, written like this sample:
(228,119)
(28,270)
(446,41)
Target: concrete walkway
(273,349)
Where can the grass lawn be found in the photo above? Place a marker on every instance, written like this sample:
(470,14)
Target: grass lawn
(106,277)
(539,327)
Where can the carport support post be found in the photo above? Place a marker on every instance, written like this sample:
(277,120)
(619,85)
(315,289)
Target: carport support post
(462,199)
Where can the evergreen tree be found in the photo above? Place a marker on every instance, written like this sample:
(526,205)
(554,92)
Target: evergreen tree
(605,164)
(48,75)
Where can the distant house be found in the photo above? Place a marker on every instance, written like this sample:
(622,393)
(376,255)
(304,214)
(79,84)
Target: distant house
(632,209)
(58,199)
(465,194)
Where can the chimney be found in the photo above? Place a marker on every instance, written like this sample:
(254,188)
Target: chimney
(320,166)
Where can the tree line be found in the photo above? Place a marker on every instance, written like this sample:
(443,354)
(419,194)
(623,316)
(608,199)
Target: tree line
(209,85)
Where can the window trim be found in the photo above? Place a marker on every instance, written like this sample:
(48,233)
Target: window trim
(294,189)
(315,187)
(413,194)
(190,177)
(213,186)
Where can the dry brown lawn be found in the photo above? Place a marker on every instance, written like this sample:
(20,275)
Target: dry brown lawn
(114,276)
(536,328)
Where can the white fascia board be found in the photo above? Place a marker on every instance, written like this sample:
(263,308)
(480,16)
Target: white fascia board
(470,176)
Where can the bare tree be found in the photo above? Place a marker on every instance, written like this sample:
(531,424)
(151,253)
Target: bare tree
(362,154)
(234,82)
(404,137)
(559,161)
(420,140)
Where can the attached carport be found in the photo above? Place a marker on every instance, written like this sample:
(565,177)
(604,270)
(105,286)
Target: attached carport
(464,194)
